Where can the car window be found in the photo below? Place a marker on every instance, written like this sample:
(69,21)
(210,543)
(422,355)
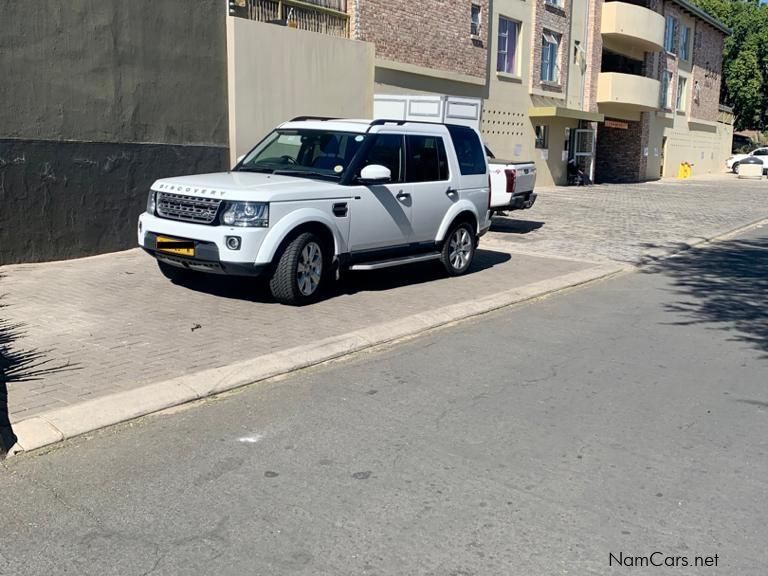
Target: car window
(760,152)
(387,150)
(426,159)
(469,150)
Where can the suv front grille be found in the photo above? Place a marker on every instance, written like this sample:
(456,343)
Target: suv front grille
(187,208)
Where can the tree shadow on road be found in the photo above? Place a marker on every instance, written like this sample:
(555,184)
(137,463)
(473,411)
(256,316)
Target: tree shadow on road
(724,284)
(257,290)
(18,365)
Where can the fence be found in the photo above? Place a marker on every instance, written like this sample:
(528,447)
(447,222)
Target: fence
(324,16)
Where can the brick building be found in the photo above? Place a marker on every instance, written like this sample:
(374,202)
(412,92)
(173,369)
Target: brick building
(629,89)
(429,47)
(538,105)
(659,88)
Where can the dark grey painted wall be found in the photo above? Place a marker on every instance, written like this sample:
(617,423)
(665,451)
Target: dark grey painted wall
(64,200)
(83,84)
(114,70)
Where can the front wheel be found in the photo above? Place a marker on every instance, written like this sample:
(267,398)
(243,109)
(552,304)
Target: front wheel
(459,249)
(735,168)
(301,272)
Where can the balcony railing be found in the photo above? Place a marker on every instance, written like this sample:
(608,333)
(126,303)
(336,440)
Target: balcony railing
(618,92)
(324,16)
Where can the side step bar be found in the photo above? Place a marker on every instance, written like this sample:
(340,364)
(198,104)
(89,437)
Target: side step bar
(379,264)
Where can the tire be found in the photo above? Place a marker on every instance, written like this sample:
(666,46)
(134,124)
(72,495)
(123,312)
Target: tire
(458,249)
(174,273)
(735,168)
(302,271)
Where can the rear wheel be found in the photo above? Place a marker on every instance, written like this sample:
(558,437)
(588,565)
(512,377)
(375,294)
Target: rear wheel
(302,271)
(459,249)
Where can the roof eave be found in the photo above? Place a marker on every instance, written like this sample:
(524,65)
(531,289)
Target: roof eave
(708,18)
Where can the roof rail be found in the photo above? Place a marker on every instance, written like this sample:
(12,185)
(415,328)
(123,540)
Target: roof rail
(382,121)
(303,118)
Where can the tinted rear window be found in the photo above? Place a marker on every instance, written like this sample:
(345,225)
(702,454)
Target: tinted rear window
(469,150)
(427,161)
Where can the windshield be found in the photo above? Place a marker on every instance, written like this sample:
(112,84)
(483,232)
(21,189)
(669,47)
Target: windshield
(307,153)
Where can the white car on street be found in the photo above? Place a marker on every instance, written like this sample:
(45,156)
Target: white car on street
(733,162)
(316,196)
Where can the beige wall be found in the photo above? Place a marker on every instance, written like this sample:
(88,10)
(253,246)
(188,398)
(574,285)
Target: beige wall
(725,135)
(506,126)
(699,144)
(276,73)
(391,81)
(578,68)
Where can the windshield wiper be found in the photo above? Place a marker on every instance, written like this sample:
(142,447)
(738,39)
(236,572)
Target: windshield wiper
(307,173)
(254,169)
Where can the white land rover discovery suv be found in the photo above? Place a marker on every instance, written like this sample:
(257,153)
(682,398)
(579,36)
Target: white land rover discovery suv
(319,195)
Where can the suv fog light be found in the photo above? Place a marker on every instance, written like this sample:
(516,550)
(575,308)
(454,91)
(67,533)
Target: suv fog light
(233,242)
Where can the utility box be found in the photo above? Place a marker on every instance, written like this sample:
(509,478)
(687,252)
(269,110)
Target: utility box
(428,108)
(751,167)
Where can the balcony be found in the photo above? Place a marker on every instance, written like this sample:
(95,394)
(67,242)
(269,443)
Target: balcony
(630,29)
(626,95)
(323,16)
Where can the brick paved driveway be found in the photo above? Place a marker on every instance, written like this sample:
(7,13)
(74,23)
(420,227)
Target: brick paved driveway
(620,222)
(111,323)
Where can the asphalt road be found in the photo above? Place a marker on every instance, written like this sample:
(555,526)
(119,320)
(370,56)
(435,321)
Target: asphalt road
(563,436)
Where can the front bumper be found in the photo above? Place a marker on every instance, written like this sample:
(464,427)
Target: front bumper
(211,252)
(206,259)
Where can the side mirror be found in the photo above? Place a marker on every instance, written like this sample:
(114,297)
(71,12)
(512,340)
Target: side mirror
(375,174)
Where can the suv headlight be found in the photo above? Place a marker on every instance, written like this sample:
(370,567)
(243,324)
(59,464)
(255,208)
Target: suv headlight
(151,204)
(246,214)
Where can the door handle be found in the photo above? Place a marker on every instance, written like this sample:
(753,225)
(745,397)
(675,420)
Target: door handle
(451,192)
(403,195)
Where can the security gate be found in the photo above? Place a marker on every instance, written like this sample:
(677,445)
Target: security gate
(584,151)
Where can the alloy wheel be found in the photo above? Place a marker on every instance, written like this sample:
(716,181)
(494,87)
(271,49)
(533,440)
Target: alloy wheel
(460,248)
(309,270)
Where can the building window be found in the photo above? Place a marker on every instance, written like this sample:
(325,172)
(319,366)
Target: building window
(475,26)
(550,47)
(553,2)
(685,44)
(507,56)
(542,136)
(665,99)
(682,83)
(670,35)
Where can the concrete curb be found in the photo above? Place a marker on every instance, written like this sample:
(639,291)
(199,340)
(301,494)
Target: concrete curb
(64,423)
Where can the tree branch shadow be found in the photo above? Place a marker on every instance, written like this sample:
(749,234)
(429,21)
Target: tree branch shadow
(19,365)
(724,284)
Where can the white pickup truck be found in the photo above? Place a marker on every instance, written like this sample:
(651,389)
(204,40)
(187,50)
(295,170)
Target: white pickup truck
(512,184)
(319,195)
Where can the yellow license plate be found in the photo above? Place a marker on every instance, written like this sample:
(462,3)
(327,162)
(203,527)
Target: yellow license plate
(175,246)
